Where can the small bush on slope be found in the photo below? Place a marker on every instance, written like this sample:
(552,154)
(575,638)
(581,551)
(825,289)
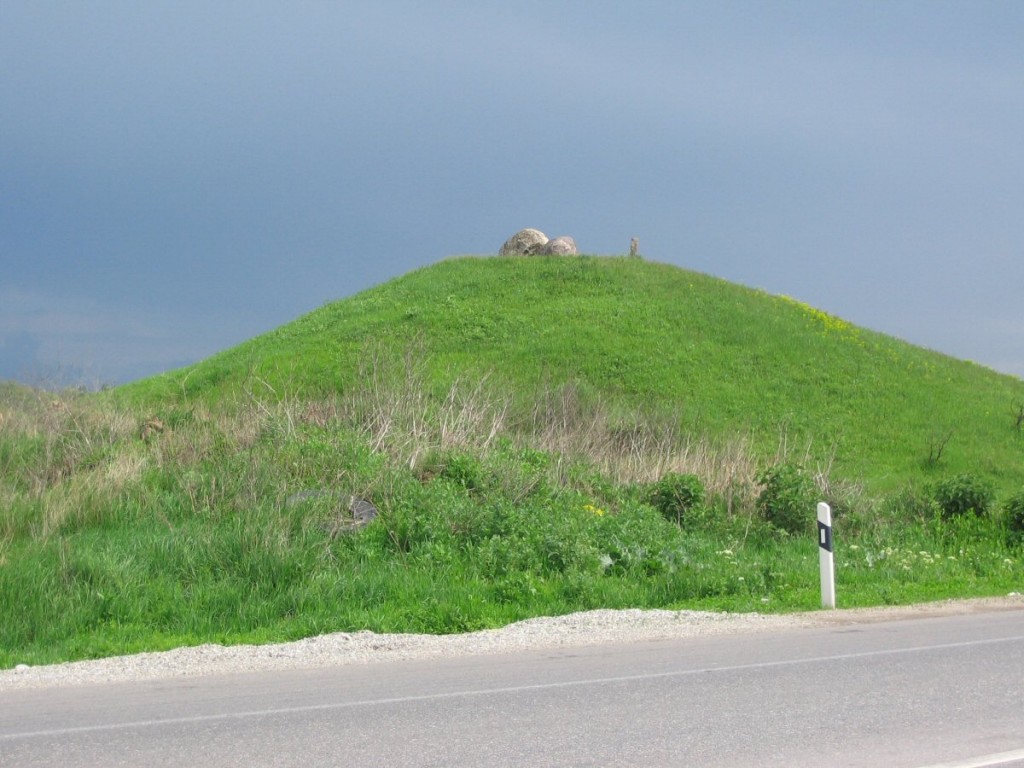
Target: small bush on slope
(787,498)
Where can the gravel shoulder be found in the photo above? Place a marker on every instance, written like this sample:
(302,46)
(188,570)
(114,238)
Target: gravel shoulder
(574,630)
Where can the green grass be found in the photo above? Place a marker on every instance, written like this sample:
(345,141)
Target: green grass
(509,418)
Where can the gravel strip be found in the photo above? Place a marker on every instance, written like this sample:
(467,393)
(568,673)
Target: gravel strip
(577,629)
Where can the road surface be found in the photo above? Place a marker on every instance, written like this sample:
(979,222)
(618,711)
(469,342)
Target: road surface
(915,692)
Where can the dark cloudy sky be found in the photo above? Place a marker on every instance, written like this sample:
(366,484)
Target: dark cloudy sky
(177,177)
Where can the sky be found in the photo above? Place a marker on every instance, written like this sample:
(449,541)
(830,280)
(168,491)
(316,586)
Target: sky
(178,177)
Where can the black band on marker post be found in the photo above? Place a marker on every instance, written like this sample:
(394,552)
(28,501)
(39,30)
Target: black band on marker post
(825,536)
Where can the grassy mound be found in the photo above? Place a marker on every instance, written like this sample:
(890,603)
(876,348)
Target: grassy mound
(539,435)
(716,358)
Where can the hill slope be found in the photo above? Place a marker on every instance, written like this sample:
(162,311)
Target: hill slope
(720,357)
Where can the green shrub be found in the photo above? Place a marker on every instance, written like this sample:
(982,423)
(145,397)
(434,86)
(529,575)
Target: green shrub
(788,497)
(465,470)
(1014,510)
(963,494)
(676,495)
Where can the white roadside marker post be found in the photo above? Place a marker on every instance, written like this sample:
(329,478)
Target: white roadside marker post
(828,573)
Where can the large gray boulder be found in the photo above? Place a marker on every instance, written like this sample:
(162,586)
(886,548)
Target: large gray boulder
(525,242)
(560,246)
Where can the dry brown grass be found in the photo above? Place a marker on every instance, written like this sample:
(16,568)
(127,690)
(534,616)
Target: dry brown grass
(398,415)
(637,447)
(396,412)
(59,436)
(81,453)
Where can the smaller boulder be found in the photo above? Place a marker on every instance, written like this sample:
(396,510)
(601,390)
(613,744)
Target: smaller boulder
(560,246)
(525,242)
(363,511)
(347,512)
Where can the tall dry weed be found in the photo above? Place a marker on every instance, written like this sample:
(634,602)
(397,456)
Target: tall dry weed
(394,407)
(843,494)
(61,435)
(399,414)
(85,499)
(638,447)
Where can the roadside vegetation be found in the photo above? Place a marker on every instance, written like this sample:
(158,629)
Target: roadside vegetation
(539,436)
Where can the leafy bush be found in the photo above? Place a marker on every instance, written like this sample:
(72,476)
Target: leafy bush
(788,497)
(1014,509)
(676,495)
(465,470)
(636,540)
(957,496)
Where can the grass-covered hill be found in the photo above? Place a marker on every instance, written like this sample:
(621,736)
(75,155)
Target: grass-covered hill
(538,435)
(718,358)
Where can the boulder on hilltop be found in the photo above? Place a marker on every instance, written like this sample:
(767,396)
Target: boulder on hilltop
(525,242)
(560,246)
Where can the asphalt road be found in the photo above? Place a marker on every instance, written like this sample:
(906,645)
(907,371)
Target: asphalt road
(913,692)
